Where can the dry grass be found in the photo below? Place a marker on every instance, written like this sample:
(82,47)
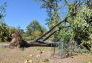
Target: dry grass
(19,56)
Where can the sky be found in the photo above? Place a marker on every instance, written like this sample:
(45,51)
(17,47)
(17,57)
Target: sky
(19,13)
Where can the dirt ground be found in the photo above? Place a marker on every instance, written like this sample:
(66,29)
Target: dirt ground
(38,55)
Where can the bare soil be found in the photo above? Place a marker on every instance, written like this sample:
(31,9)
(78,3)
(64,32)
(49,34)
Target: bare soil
(39,55)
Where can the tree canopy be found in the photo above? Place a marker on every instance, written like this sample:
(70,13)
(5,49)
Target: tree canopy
(35,29)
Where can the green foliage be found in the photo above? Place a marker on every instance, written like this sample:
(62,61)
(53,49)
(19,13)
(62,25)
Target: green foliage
(28,38)
(3,27)
(66,35)
(80,27)
(46,60)
(7,31)
(52,7)
(35,29)
(81,24)
(21,30)
(3,34)
(2,9)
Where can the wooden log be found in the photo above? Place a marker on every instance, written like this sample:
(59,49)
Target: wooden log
(49,35)
(43,44)
(50,30)
(53,33)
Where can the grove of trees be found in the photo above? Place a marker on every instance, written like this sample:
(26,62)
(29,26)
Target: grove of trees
(76,32)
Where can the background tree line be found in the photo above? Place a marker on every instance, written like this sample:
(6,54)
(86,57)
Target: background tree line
(77,30)
(34,29)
